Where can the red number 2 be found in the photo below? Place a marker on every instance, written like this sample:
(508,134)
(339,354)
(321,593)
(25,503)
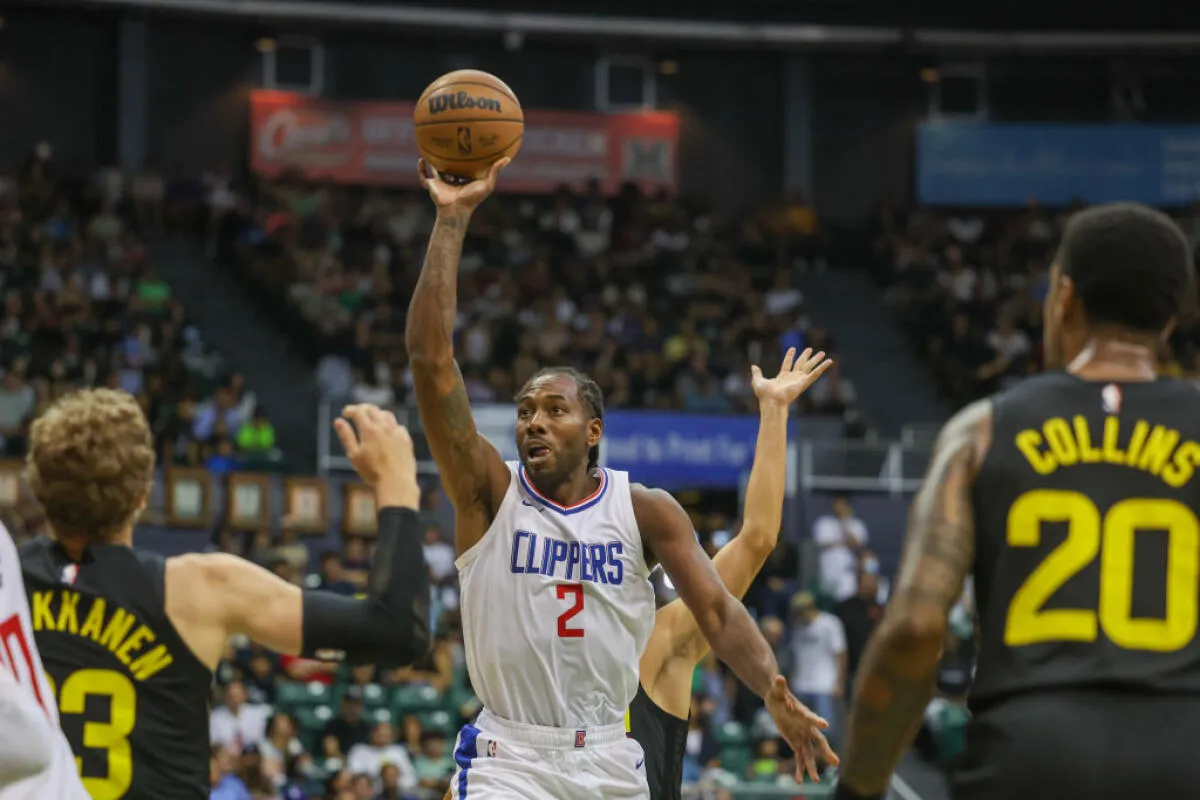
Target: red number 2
(575,590)
(19,656)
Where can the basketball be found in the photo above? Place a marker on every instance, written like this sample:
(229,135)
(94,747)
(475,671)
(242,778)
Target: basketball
(467,120)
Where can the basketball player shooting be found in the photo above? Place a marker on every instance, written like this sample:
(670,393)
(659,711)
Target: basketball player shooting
(130,639)
(35,759)
(1072,498)
(554,556)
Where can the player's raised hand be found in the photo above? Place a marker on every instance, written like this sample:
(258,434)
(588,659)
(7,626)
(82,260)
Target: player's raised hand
(448,192)
(800,728)
(795,376)
(381,451)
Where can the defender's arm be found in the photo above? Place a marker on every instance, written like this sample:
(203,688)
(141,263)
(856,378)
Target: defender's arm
(26,739)
(898,669)
(678,644)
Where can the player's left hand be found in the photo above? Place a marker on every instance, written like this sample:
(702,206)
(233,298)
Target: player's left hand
(795,375)
(800,728)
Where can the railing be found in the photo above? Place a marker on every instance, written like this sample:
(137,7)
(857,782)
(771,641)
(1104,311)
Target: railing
(758,791)
(838,465)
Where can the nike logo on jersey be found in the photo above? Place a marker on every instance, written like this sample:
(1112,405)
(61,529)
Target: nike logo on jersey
(638,765)
(594,562)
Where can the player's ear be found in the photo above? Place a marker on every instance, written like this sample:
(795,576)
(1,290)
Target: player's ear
(595,431)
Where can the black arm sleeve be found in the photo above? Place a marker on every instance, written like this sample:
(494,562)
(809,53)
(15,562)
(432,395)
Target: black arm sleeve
(390,626)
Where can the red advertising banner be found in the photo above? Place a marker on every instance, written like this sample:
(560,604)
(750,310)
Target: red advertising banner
(372,143)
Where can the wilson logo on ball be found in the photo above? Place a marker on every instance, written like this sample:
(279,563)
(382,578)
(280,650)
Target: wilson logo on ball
(460,101)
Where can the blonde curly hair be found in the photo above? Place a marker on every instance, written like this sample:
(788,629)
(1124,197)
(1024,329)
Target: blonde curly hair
(91,463)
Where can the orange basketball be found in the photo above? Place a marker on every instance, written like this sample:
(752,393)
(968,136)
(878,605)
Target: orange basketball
(467,120)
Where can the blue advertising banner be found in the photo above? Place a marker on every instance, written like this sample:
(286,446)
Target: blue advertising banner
(676,450)
(971,164)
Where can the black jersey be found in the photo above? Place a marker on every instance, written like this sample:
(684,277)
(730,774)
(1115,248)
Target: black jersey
(663,738)
(132,696)
(1087,566)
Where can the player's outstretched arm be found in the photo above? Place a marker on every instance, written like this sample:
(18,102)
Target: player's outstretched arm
(897,673)
(26,739)
(678,644)
(471,470)
(212,596)
(726,624)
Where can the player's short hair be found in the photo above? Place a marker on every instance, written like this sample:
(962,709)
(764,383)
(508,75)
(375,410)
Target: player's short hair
(1131,265)
(589,391)
(91,463)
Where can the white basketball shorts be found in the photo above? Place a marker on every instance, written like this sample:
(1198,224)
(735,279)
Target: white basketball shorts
(502,760)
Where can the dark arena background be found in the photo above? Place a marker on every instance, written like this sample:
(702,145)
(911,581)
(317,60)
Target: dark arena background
(213,205)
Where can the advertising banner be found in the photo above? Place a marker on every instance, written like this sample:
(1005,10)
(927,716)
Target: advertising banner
(371,143)
(968,164)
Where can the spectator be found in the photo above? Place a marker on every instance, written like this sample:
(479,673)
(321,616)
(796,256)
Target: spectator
(225,784)
(433,765)
(859,616)
(439,555)
(16,408)
(279,747)
(256,437)
(368,758)
(348,728)
(841,536)
(331,576)
(389,783)
(238,723)
(818,659)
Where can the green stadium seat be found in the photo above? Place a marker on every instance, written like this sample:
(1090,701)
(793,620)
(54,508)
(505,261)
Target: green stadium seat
(311,722)
(293,695)
(454,700)
(951,732)
(374,696)
(736,759)
(379,714)
(439,721)
(414,698)
(732,734)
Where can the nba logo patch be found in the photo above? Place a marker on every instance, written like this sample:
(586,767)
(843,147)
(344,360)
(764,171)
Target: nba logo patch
(580,736)
(69,573)
(1110,399)
(491,749)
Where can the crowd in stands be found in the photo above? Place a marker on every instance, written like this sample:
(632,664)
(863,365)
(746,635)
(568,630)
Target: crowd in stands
(83,305)
(666,305)
(969,287)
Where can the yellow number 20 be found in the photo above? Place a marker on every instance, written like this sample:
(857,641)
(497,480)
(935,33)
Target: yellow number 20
(1113,539)
(111,736)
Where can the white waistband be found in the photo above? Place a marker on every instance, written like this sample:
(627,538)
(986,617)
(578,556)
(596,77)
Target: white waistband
(559,738)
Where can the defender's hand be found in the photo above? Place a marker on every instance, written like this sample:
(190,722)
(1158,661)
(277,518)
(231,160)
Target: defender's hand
(795,376)
(800,728)
(465,196)
(382,453)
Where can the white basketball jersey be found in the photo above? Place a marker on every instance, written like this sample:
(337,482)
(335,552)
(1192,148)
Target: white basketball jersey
(557,606)
(19,656)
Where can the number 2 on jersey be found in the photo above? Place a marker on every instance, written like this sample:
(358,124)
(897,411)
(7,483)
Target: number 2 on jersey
(111,736)
(1113,538)
(566,590)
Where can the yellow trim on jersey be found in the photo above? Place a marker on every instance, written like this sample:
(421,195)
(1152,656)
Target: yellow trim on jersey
(628,727)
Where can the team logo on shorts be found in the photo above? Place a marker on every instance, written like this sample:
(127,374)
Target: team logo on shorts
(580,736)
(491,749)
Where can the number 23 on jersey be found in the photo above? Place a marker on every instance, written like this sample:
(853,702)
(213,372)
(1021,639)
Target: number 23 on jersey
(1112,538)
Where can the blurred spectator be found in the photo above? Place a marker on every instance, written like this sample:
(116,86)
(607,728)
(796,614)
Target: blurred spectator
(279,747)
(349,728)
(257,435)
(434,764)
(238,723)
(226,785)
(859,616)
(368,758)
(841,537)
(818,659)
(439,555)
(331,575)
(16,410)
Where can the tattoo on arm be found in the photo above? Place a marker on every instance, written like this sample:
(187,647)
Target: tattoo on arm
(899,667)
(434,304)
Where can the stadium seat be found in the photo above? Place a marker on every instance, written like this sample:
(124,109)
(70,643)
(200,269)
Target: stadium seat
(951,733)
(439,721)
(415,697)
(374,696)
(736,758)
(311,722)
(379,714)
(290,696)
(732,734)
